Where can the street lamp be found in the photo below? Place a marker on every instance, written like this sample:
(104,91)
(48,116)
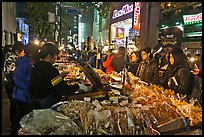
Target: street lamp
(36,42)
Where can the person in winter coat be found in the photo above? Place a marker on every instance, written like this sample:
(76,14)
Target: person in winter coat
(148,70)
(118,60)
(47,85)
(135,60)
(8,68)
(107,62)
(21,77)
(180,76)
(163,72)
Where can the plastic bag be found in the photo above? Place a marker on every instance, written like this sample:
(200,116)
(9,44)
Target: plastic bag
(49,122)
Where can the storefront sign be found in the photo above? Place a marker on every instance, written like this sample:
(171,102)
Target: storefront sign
(23,27)
(192,19)
(120,33)
(136,17)
(171,36)
(125,10)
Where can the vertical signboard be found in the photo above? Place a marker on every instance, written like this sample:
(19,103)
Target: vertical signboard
(136,16)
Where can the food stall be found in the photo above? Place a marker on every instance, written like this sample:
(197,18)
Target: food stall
(110,108)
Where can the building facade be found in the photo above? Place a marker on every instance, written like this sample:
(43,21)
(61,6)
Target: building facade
(8,23)
(122,24)
(181,24)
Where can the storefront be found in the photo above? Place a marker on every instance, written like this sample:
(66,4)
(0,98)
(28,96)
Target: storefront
(183,31)
(124,23)
(192,35)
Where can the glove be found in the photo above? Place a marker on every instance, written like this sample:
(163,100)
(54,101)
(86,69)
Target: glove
(83,87)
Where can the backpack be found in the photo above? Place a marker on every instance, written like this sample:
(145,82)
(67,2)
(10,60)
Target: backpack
(195,88)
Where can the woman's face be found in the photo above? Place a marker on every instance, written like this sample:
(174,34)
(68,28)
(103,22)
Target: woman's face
(171,59)
(145,55)
(134,57)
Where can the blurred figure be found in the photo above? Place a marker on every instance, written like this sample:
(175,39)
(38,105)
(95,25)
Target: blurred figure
(148,69)
(92,59)
(180,79)
(118,60)
(31,51)
(135,60)
(8,68)
(197,61)
(21,77)
(163,71)
(107,62)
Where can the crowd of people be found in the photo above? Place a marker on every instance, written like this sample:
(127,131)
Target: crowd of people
(170,69)
(32,82)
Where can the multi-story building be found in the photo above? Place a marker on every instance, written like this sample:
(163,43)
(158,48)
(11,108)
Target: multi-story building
(137,21)
(181,24)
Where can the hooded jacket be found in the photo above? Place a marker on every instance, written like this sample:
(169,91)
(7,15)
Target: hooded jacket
(183,76)
(21,77)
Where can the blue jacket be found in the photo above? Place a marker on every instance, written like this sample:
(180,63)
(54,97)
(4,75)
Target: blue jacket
(21,77)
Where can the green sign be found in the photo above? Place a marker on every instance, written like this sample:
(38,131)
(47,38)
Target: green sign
(192,19)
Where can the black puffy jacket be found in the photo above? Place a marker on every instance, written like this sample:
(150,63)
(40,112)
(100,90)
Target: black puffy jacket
(148,71)
(184,79)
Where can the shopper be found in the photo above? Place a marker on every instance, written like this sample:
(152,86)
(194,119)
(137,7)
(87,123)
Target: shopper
(8,68)
(21,77)
(107,62)
(180,79)
(92,59)
(47,86)
(31,51)
(148,69)
(163,71)
(118,60)
(135,60)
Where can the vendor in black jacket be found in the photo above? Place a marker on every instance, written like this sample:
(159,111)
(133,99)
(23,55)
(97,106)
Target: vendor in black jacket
(47,86)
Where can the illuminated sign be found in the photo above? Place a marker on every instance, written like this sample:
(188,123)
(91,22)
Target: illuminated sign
(192,19)
(120,33)
(125,10)
(19,37)
(23,27)
(136,17)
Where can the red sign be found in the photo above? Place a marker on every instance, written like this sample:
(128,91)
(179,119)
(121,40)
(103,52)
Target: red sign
(192,19)
(136,19)
(120,33)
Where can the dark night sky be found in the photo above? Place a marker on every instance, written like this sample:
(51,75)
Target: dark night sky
(19,8)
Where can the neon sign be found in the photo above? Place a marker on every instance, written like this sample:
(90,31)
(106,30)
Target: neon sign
(136,19)
(192,19)
(125,10)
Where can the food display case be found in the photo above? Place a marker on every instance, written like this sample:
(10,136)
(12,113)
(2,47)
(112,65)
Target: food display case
(110,108)
(82,73)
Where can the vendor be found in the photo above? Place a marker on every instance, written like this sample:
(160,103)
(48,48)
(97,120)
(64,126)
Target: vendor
(47,86)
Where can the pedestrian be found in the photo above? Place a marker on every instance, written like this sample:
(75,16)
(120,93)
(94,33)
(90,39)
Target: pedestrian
(180,80)
(107,62)
(118,60)
(31,51)
(8,68)
(21,77)
(92,59)
(163,70)
(135,60)
(148,69)
(47,86)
